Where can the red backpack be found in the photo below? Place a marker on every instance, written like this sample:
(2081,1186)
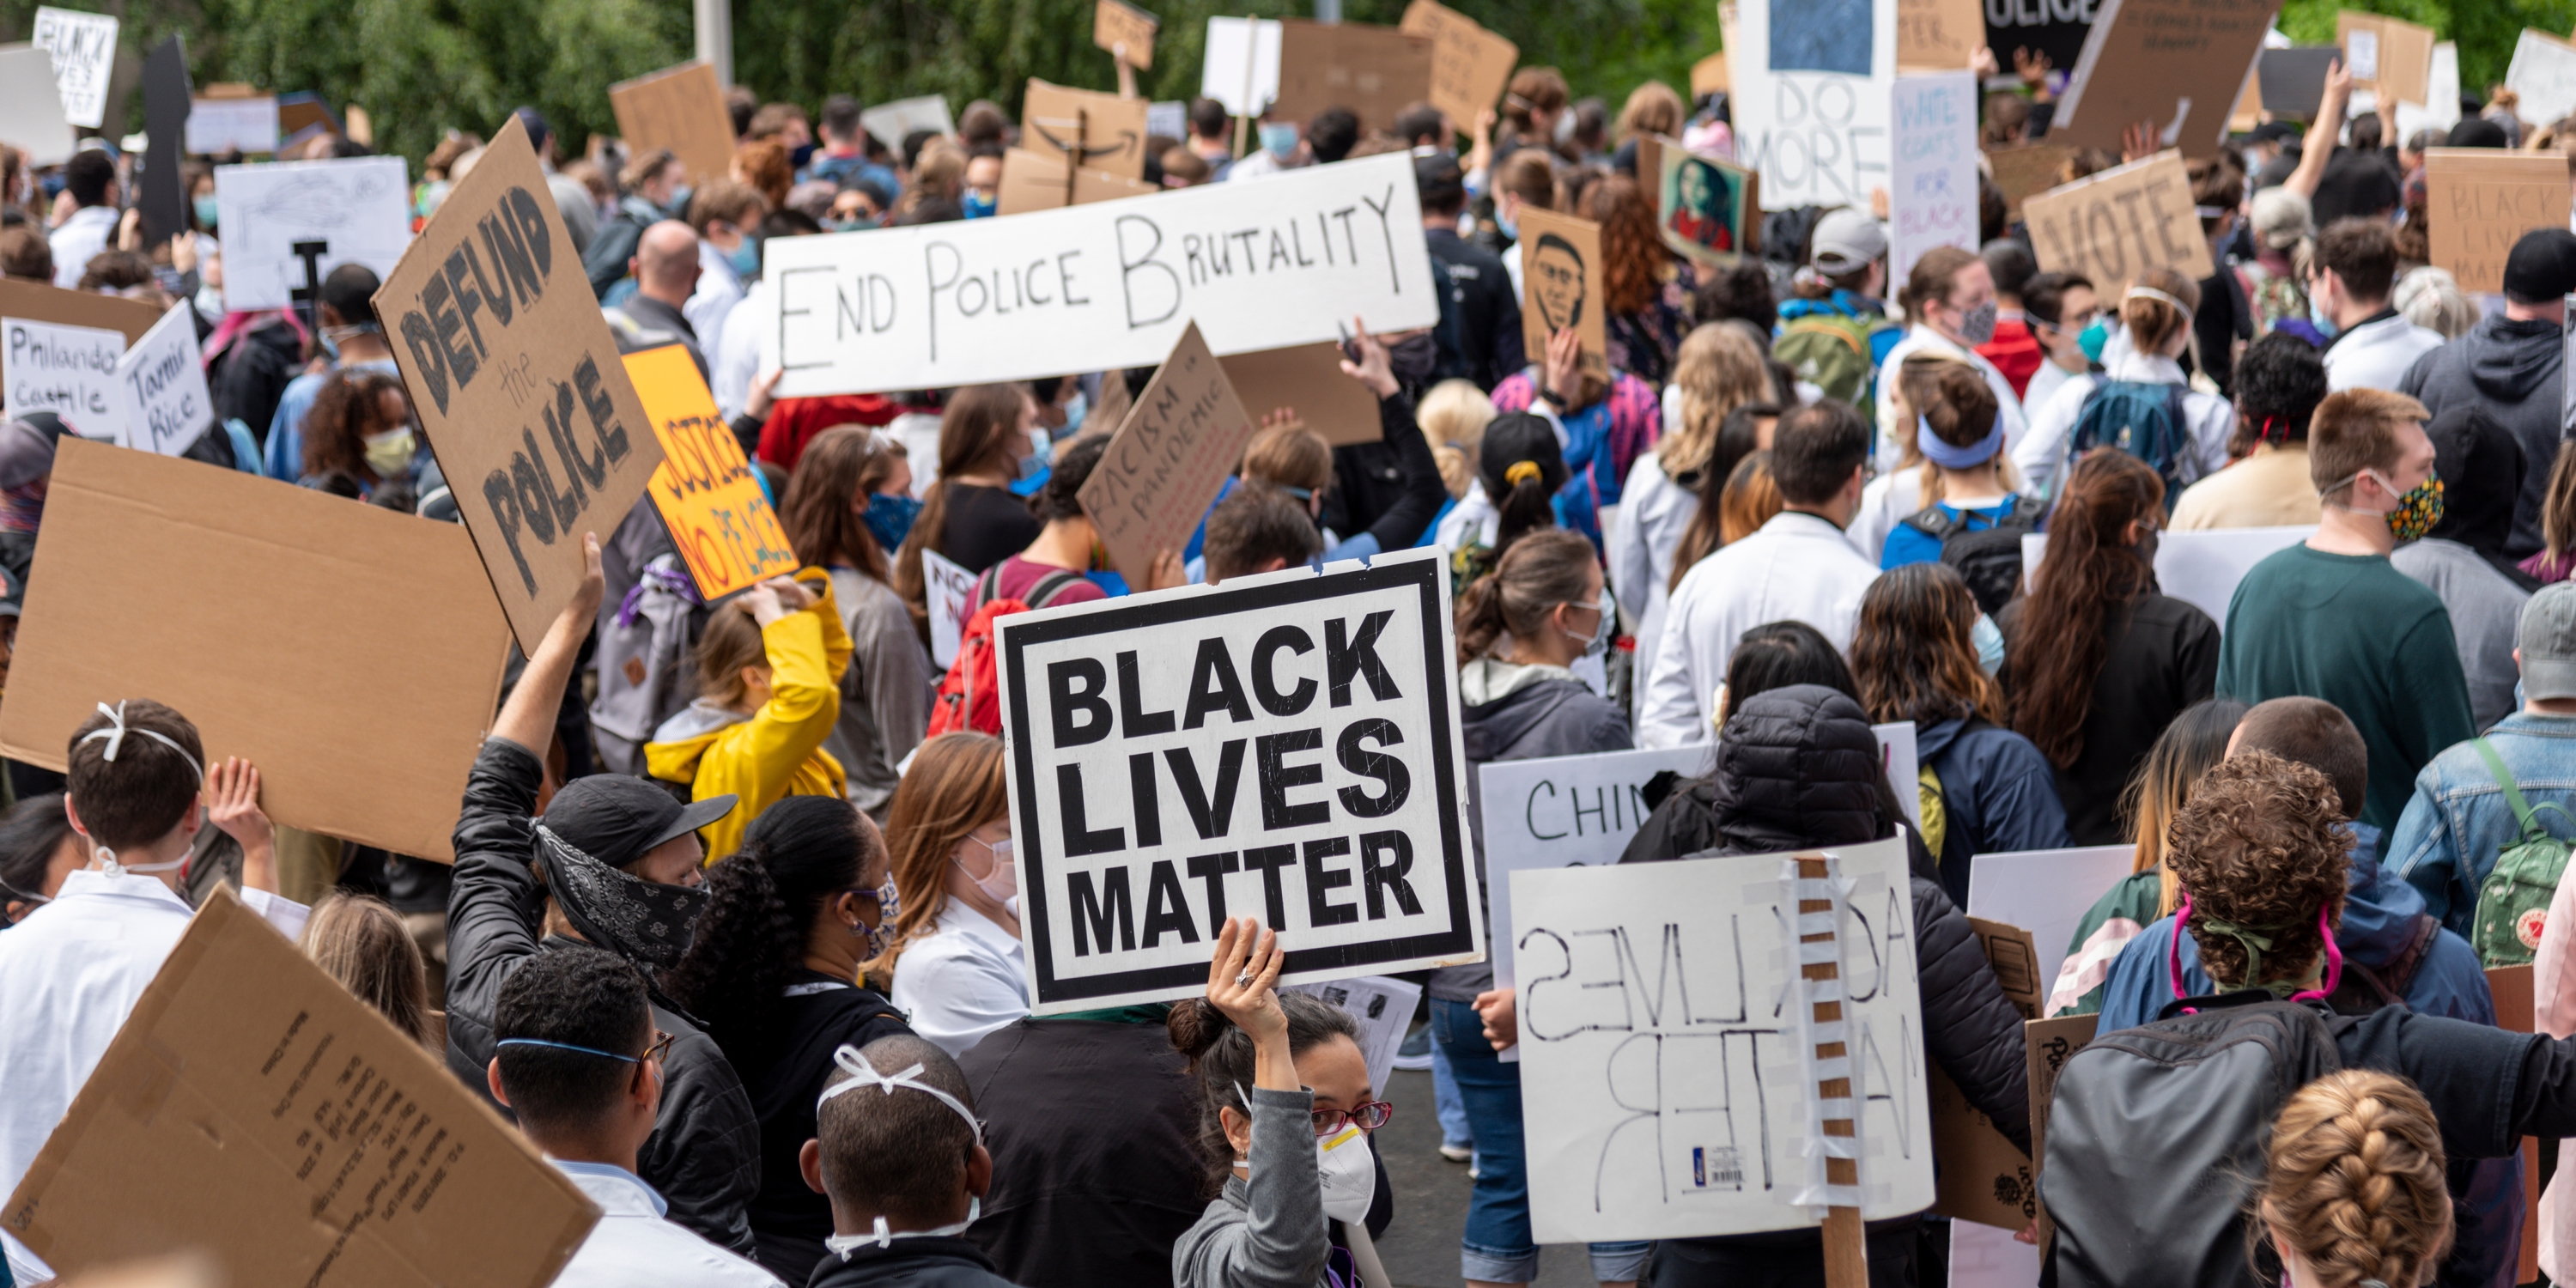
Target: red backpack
(968,697)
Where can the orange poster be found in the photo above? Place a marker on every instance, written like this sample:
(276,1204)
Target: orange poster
(714,506)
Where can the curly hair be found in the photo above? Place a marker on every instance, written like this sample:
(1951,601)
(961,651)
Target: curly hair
(348,407)
(2261,844)
(2355,1183)
(2059,641)
(2279,382)
(1221,1055)
(1633,258)
(1914,651)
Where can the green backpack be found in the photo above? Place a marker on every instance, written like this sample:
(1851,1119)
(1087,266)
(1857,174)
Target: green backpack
(2514,899)
(1831,352)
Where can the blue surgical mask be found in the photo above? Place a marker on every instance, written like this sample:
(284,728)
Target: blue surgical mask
(680,199)
(804,153)
(2323,321)
(2093,338)
(853,224)
(1990,644)
(205,207)
(745,258)
(1279,140)
(1506,225)
(890,517)
(978,206)
(1075,408)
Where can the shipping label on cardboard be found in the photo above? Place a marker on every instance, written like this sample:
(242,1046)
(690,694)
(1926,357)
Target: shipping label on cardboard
(2115,225)
(2482,200)
(1159,473)
(681,108)
(517,382)
(719,518)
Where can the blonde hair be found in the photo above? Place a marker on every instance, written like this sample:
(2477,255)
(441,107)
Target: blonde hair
(361,941)
(1289,456)
(1453,415)
(1719,369)
(2430,298)
(2355,1181)
(1652,108)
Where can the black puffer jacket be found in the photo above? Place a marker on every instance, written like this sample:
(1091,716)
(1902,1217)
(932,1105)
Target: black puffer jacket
(1799,767)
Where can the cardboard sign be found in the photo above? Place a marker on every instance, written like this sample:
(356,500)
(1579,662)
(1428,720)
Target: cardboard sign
(303,116)
(2026,169)
(2293,81)
(84,50)
(2113,225)
(1938,35)
(1705,208)
(404,597)
(2482,201)
(31,110)
(950,589)
(2046,893)
(1562,812)
(1306,379)
(2442,110)
(1382,1008)
(1933,193)
(2199,568)
(891,122)
(67,370)
(1671,1098)
(1561,284)
(1126,31)
(1166,463)
(2180,64)
(356,211)
(220,125)
(720,520)
(681,108)
(1984,1177)
(292,1133)
(162,189)
(2046,1047)
(1376,72)
(39,302)
(2543,72)
(1096,131)
(2056,28)
(1240,67)
(517,382)
(1327,797)
(1031,181)
(1100,287)
(2400,55)
(1708,76)
(1812,97)
(1470,66)
(161,383)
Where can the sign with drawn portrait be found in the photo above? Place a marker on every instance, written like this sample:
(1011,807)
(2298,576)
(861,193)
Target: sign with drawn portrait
(1561,285)
(1704,205)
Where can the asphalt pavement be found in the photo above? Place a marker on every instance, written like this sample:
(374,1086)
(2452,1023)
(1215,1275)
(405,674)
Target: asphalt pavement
(1420,1248)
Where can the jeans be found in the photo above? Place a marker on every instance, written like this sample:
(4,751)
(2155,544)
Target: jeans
(1445,1099)
(1497,1246)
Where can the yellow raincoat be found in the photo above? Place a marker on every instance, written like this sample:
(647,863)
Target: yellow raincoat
(777,752)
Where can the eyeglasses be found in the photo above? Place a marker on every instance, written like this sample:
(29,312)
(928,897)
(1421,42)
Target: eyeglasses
(1368,1117)
(660,1051)
(655,1053)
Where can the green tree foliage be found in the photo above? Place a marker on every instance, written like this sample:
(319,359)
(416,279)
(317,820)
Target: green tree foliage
(2484,29)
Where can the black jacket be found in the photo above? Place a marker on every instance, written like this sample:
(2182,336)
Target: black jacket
(2515,370)
(252,373)
(704,1153)
(2160,655)
(1489,310)
(1389,489)
(788,1219)
(927,1262)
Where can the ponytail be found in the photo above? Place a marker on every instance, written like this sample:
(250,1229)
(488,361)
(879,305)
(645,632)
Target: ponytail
(1221,1055)
(2355,1180)
(1521,468)
(762,903)
(1529,581)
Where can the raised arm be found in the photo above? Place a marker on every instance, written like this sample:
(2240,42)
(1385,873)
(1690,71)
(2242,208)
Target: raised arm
(528,718)
(2319,145)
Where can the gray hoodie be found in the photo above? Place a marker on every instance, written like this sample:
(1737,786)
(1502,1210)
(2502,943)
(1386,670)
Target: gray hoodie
(2516,370)
(1268,1231)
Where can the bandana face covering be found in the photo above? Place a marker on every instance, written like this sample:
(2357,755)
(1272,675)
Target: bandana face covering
(863,1074)
(643,921)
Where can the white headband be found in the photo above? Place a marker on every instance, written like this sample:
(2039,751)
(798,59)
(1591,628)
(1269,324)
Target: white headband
(115,734)
(2151,293)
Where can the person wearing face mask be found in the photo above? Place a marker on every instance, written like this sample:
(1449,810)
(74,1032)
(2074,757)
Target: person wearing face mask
(2279,383)
(77,965)
(2057,307)
(358,440)
(654,187)
(1282,147)
(1520,182)
(2141,400)
(774,965)
(2369,344)
(1950,299)
(847,504)
(1966,484)
(2332,618)
(956,957)
(969,514)
(1488,297)
(2096,661)
(983,181)
(38,852)
(1286,1121)
(901,1153)
(726,215)
(354,342)
(614,862)
(2513,366)
(2224,321)
(1057,567)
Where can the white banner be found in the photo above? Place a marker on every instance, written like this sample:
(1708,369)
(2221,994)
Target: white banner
(890,122)
(1239,64)
(2046,892)
(1290,752)
(162,380)
(1811,100)
(2543,72)
(31,112)
(358,210)
(1095,287)
(1668,1078)
(1563,812)
(1382,1008)
(84,50)
(67,370)
(949,590)
(1933,200)
(220,125)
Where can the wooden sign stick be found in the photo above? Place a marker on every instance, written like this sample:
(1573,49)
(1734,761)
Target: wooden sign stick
(1126,77)
(1846,1251)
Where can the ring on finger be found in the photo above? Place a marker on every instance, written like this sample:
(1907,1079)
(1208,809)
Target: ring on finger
(1243,979)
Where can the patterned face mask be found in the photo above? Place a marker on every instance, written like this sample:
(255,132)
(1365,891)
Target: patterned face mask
(642,921)
(2418,510)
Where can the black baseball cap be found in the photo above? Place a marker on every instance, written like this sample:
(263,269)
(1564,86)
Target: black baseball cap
(2541,267)
(617,819)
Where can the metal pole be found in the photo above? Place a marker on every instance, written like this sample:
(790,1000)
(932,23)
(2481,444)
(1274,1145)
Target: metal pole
(715,36)
(1328,10)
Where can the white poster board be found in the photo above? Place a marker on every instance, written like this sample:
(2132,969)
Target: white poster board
(358,208)
(2543,72)
(1291,752)
(2046,892)
(84,50)
(67,370)
(1814,85)
(1982,1256)
(1664,1090)
(1563,812)
(162,381)
(1170,120)
(1095,287)
(2199,567)
(31,109)
(1933,199)
(1904,769)
(2443,87)
(890,122)
(220,125)
(949,589)
(1382,1008)
(1240,67)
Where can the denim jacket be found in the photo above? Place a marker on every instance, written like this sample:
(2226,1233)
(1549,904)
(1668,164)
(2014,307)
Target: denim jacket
(2447,840)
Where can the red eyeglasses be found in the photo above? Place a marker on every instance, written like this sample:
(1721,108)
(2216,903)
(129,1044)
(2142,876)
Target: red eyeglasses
(1369,1117)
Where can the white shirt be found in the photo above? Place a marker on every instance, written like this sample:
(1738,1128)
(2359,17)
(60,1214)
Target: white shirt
(1923,339)
(965,979)
(69,975)
(1654,511)
(1888,500)
(634,1247)
(1259,164)
(1798,567)
(733,358)
(2041,457)
(719,289)
(1512,267)
(78,241)
(2043,385)
(2375,355)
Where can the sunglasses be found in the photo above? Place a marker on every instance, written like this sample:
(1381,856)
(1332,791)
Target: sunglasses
(1369,1117)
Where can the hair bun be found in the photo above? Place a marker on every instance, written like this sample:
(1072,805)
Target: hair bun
(1195,1025)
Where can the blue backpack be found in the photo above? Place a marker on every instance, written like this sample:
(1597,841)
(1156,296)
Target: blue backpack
(2144,420)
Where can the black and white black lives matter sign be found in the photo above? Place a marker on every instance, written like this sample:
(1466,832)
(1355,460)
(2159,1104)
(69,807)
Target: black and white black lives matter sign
(1284,746)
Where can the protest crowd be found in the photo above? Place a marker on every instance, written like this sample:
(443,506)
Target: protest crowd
(2146,655)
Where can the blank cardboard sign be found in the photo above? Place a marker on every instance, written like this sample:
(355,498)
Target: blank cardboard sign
(2114,225)
(1165,464)
(292,1133)
(517,382)
(1561,285)
(392,595)
(2482,200)
(1470,66)
(681,108)
(1307,379)
(1124,30)
(1376,72)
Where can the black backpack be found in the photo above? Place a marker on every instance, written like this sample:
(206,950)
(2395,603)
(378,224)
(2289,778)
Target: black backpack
(2155,1142)
(1988,558)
